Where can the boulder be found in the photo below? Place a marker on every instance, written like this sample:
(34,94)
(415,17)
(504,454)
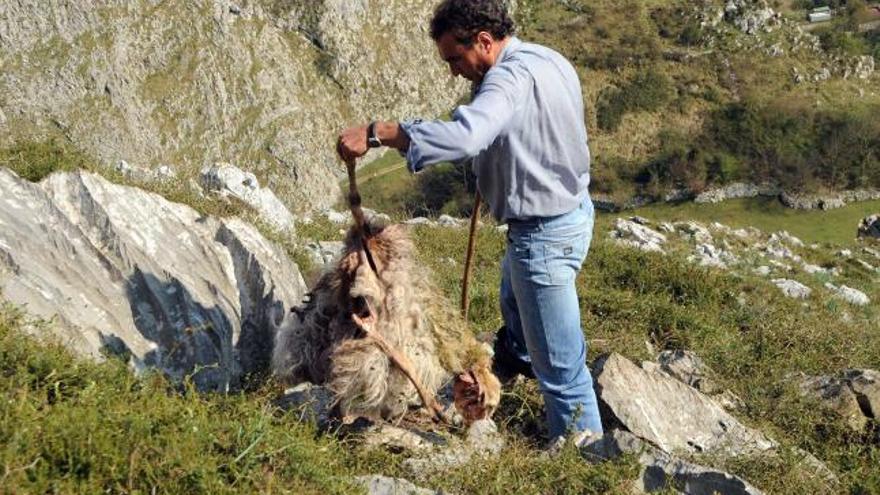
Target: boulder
(669,414)
(836,394)
(848,294)
(448,221)
(695,231)
(323,252)
(229,180)
(121,270)
(662,471)
(709,255)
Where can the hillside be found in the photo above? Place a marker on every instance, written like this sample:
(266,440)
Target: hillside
(735,345)
(263,84)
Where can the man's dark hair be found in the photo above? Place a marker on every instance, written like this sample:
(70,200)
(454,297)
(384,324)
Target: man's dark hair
(465,18)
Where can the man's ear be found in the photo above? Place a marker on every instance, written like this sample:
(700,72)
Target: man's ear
(485,40)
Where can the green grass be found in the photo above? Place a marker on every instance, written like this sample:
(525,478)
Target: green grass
(34,160)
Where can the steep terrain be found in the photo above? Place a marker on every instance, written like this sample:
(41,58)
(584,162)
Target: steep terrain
(264,84)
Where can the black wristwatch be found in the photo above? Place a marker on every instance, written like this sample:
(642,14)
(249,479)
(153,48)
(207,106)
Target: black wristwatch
(372,140)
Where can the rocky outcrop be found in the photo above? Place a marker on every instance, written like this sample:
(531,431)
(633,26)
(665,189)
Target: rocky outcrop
(751,16)
(120,270)
(264,84)
(792,288)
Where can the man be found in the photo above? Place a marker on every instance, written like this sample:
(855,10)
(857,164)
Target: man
(524,130)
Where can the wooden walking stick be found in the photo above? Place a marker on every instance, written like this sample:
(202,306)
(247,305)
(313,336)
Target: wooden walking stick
(469,257)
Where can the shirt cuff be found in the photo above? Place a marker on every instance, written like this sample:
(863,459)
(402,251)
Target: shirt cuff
(414,156)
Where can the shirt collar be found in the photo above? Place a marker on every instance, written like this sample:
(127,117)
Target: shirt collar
(511,46)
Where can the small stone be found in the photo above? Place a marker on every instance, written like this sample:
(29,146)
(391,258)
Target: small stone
(792,288)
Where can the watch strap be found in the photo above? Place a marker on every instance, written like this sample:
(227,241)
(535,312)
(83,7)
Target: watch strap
(372,140)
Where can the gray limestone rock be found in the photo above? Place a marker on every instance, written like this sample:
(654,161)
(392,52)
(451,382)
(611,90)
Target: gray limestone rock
(482,439)
(853,394)
(837,395)
(118,269)
(384,485)
(229,180)
(670,414)
(736,190)
(848,294)
(661,471)
(632,234)
(792,288)
(690,369)
(313,402)
(324,252)
(448,221)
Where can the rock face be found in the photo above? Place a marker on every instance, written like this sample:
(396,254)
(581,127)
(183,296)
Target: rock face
(669,414)
(122,270)
(265,84)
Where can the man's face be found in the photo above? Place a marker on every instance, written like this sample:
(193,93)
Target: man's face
(469,62)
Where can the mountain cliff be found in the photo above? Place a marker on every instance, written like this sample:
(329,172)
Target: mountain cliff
(265,84)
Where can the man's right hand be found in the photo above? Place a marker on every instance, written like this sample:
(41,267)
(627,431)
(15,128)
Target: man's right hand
(352,143)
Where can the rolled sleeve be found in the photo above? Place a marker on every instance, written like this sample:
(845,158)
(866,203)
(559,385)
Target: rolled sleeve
(473,127)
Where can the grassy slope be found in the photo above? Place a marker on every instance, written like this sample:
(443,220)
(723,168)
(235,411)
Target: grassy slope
(70,426)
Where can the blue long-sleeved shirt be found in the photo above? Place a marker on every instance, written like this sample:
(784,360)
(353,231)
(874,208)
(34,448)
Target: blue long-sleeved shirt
(525,131)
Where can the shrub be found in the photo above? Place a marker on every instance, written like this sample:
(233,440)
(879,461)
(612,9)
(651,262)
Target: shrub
(648,91)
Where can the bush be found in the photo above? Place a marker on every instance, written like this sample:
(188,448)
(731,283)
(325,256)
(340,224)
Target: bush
(794,145)
(445,188)
(648,91)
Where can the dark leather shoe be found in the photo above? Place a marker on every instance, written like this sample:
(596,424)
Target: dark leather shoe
(505,364)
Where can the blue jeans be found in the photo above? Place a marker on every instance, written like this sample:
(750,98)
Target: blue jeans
(542,315)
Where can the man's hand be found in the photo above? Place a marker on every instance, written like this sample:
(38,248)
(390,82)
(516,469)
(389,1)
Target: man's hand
(352,143)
